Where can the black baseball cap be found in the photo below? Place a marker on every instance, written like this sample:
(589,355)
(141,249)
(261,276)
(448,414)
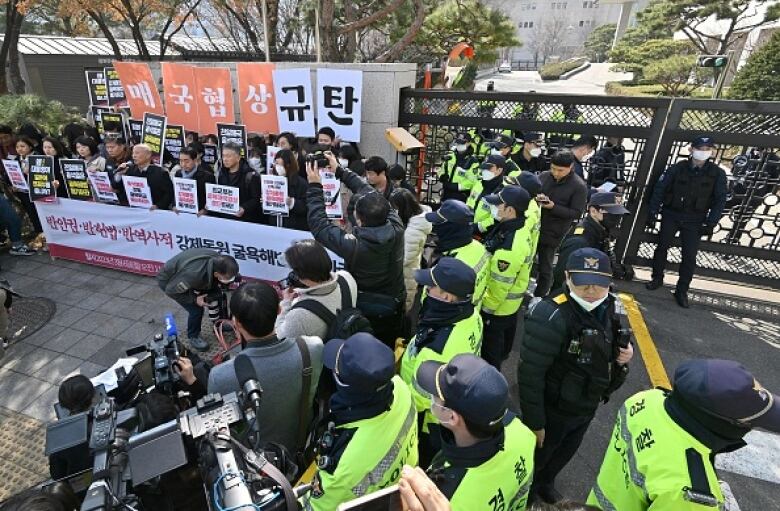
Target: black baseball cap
(494,159)
(467,385)
(462,138)
(533,136)
(453,211)
(727,390)
(588,266)
(703,141)
(530,183)
(503,141)
(608,201)
(512,195)
(450,274)
(361,363)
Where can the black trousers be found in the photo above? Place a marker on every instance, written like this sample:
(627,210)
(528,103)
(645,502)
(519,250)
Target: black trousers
(498,335)
(563,435)
(32,212)
(544,279)
(690,236)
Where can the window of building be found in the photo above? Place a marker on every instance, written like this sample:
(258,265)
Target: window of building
(526,24)
(590,4)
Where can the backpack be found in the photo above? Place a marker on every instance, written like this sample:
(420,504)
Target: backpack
(347,321)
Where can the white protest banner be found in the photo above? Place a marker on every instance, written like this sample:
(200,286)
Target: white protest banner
(274,195)
(16,176)
(222,199)
(270,156)
(339,101)
(139,195)
(101,183)
(186,193)
(134,240)
(331,187)
(294,101)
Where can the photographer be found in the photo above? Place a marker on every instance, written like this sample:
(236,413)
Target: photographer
(77,395)
(278,364)
(192,278)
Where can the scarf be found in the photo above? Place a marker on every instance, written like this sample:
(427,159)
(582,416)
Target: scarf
(450,236)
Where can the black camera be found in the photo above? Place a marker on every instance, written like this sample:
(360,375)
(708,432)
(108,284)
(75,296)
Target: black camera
(164,350)
(317,156)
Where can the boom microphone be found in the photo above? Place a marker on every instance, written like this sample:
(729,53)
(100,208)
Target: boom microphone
(247,379)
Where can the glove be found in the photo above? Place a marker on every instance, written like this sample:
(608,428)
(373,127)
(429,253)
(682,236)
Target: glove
(706,229)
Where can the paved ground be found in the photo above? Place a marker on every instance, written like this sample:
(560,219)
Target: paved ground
(591,81)
(101,313)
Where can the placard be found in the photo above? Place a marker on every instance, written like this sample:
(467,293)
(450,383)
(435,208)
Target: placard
(96,87)
(174,142)
(42,178)
(116,93)
(294,100)
(101,184)
(139,195)
(186,193)
(113,124)
(256,96)
(15,175)
(274,195)
(214,96)
(97,117)
(153,135)
(234,134)
(209,154)
(136,128)
(331,188)
(76,181)
(180,89)
(222,199)
(140,88)
(270,156)
(339,95)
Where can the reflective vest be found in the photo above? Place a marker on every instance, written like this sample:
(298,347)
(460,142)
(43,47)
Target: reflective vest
(503,481)
(510,268)
(464,176)
(379,447)
(478,143)
(652,463)
(474,255)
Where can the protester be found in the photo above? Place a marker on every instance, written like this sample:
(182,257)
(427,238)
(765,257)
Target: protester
(70,132)
(10,221)
(376,176)
(7,142)
(583,150)
(188,168)
(87,149)
(287,140)
(608,165)
(117,153)
(24,148)
(327,137)
(54,148)
(286,165)
(159,180)
(234,171)
(397,176)
(417,229)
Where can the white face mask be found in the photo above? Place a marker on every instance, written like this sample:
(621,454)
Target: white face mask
(701,155)
(588,306)
(461,148)
(535,152)
(280,170)
(495,152)
(487,175)
(343,162)
(437,412)
(494,212)
(255,163)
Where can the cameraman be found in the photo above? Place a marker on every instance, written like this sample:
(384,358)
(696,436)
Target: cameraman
(77,395)
(194,277)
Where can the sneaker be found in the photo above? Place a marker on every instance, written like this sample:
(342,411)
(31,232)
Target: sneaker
(21,250)
(199,344)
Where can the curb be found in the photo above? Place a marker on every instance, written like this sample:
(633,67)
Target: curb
(569,74)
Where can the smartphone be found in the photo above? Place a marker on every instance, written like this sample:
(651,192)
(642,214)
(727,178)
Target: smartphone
(388,499)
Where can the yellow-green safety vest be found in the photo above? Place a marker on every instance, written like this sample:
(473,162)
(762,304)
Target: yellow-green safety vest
(510,270)
(464,178)
(476,256)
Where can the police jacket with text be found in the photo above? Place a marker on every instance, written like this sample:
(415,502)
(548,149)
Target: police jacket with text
(696,193)
(511,244)
(570,196)
(160,184)
(186,272)
(474,254)
(249,191)
(373,255)
(458,174)
(568,358)
(492,474)
(589,233)
(366,453)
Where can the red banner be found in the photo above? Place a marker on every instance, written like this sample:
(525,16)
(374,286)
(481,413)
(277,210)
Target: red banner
(256,97)
(180,95)
(214,97)
(140,88)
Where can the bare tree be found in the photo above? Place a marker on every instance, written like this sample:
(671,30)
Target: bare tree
(549,38)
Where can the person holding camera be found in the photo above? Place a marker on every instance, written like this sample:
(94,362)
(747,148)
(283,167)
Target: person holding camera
(192,278)
(575,353)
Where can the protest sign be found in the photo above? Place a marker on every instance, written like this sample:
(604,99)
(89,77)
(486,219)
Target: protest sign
(153,135)
(116,93)
(42,178)
(232,133)
(179,86)
(339,93)
(186,193)
(274,195)
(97,117)
(139,195)
(174,143)
(75,173)
(210,154)
(113,125)
(96,85)
(270,157)
(294,101)
(222,199)
(331,188)
(256,96)
(133,240)
(15,175)
(101,184)
(136,128)
(214,97)
(140,88)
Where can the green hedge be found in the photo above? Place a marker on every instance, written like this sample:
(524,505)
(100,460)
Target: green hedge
(49,116)
(621,89)
(554,71)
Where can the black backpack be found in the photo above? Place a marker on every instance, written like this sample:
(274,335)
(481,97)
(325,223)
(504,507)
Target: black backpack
(347,321)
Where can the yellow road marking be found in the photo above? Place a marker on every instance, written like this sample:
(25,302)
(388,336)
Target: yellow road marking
(650,356)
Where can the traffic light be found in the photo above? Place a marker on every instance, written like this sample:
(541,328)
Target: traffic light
(712,61)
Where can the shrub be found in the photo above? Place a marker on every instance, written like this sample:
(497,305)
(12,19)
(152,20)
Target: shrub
(48,115)
(554,71)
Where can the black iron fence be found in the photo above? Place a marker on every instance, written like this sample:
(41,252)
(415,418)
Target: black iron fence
(656,133)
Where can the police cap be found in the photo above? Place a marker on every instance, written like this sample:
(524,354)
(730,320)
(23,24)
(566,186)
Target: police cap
(588,266)
(503,141)
(514,196)
(608,201)
(703,142)
(494,159)
(361,363)
(453,211)
(450,274)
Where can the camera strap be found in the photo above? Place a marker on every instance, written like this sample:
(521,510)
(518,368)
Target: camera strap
(305,404)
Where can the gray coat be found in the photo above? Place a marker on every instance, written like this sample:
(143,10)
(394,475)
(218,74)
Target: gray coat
(186,272)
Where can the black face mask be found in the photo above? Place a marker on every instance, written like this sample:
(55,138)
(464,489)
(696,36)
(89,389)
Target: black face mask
(611,223)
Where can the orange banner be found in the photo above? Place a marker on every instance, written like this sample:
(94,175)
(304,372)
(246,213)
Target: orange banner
(179,89)
(214,96)
(140,88)
(256,97)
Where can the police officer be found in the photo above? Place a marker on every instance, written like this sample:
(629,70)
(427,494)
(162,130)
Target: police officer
(583,150)
(189,277)
(690,196)
(608,164)
(530,158)
(460,170)
(492,172)
(372,431)
(510,269)
(664,443)
(574,354)
(449,324)
(594,231)
(452,228)
(502,146)
(486,458)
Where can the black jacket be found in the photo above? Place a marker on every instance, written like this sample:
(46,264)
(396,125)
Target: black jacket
(201,177)
(249,192)
(570,196)
(373,255)
(535,165)
(608,164)
(296,189)
(187,272)
(713,203)
(358,188)
(159,182)
(587,234)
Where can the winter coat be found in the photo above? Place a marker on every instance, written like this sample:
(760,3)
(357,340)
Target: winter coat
(416,233)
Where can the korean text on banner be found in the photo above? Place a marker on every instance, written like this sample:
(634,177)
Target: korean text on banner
(153,135)
(339,101)
(97,117)
(331,187)
(275,195)
(179,87)
(140,88)
(136,128)
(186,193)
(96,85)
(15,175)
(222,199)
(113,124)
(257,97)
(134,240)
(210,154)
(101,184)
(139,195)
(174,143)
(270,157)
(116,93)
(294,101)
(74,172)
(214,97)
(42,178)
(232,134)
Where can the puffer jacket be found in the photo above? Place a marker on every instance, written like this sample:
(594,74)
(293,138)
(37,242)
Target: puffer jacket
(416,233)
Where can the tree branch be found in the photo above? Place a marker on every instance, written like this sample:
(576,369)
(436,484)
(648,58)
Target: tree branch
(364,22)
(394,51)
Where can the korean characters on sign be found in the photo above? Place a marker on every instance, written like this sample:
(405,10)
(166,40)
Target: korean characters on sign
(294,101)
(174,143)
(140,88)
(139,195)
(96,85)
(15,175)
(214,97)
(339,94)
(179,85)
(257,98)
(116,93)
(186,193)
(75,174)
(153,135)
(274,190)
(101,185)
(42,178)
(222,199)
(232,134)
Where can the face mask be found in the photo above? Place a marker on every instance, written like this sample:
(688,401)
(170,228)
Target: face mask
(227,282)
(495,152)
(255,163)
(610,222)
(461,148)
(280,170)
(439,413)
(343,162)
(535,152)
(701,155)
(487,174)
(588,306)
(494,212)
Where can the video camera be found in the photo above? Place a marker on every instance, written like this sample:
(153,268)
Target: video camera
(317,155)
(165,353)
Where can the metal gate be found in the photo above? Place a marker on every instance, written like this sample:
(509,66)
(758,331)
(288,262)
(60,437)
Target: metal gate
(657,132)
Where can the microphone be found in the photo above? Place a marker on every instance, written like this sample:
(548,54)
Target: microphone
(247,379)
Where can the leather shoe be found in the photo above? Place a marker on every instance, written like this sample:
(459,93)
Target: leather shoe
(654,284)
(199,344)
(549,494)
(681,299)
